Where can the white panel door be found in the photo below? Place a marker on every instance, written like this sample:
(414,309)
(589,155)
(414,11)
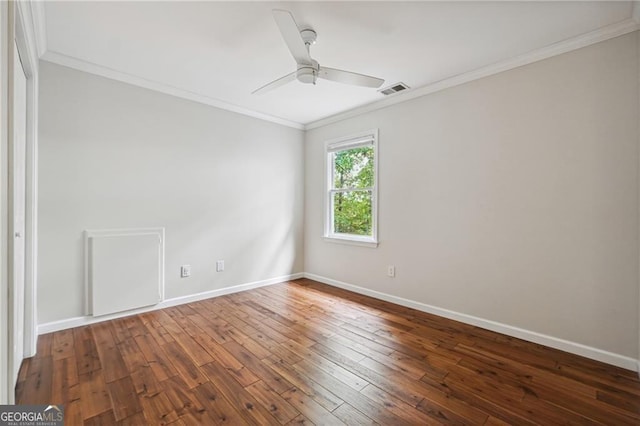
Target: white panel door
(19,208)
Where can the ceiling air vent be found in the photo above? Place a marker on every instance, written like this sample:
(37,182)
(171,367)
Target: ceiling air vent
(398,87)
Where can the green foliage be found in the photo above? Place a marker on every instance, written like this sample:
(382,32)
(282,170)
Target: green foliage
(353,170)
(352,212)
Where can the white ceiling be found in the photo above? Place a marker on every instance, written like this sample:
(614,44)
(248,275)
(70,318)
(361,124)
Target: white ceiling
(220,52)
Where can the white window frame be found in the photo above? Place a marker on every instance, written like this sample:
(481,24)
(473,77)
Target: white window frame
(368,138)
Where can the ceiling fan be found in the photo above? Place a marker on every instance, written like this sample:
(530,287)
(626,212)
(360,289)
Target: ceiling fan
(308,70)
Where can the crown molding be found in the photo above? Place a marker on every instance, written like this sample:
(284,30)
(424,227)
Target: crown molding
(39,26)
(587,39)
(91,68)
(584,40)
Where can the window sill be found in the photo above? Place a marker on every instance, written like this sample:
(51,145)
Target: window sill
(351,241)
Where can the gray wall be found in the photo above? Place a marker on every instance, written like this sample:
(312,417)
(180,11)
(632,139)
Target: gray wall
(513,198)
(225,186)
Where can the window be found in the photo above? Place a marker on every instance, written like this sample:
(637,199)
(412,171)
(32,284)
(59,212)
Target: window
(351,195)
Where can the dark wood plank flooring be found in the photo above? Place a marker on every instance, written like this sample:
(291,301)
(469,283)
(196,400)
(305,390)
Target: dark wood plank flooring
(306,353)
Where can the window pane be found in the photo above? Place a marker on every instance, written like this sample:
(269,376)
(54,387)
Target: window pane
(353,168)
(352,212)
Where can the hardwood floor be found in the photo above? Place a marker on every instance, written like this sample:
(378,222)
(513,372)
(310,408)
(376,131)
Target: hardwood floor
(306,353)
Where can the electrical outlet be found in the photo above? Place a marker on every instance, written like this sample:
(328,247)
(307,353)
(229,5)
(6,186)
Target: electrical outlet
(391,271)
(185,271)
(220,266)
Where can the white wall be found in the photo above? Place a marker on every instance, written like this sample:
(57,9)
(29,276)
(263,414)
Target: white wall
(513,198)
(225,186)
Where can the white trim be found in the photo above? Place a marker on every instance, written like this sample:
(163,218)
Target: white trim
(636,14)
(602,34)
(68,61)
(39,26)
(365,138)
(532,336)
(9,164)
(353,241)
(64,324)
(28,37)
(371,134)
(25,38)
(6,388)
(15,23)
(20,34)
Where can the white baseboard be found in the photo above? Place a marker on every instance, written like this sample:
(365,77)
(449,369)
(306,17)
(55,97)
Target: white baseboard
(531,336)
(86,320)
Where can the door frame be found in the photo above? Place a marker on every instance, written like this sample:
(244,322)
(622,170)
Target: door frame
(17,19)
(24,36)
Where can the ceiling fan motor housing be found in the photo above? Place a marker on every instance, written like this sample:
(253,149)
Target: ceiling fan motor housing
(308,74)
(309,36)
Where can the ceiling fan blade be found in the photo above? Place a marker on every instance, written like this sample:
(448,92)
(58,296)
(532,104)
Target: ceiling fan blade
(348,77)
(291,35)
(276,83)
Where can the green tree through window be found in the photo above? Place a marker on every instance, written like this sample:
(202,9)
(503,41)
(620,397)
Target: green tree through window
(353,175)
